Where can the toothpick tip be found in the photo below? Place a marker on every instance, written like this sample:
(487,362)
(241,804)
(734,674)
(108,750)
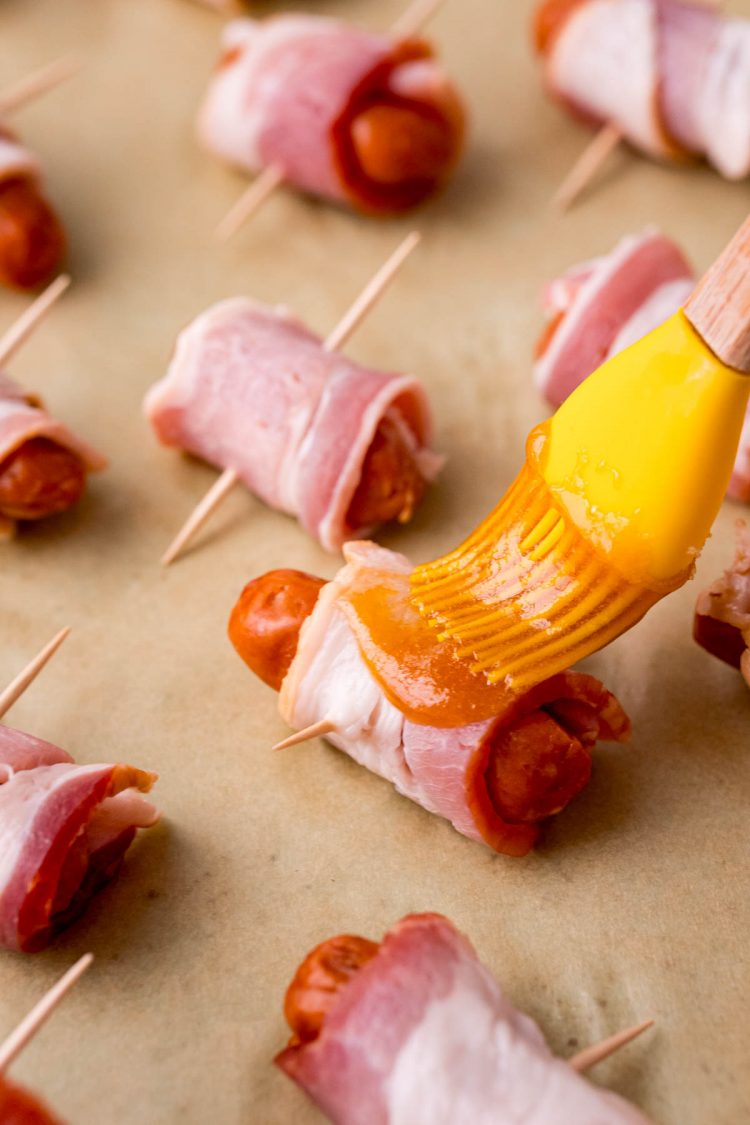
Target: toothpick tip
(26,677)
(317,730)
(598,1052)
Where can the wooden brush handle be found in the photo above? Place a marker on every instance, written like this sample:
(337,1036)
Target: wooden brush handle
(719,306)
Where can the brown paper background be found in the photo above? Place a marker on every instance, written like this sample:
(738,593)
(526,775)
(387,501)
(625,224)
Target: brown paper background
(636,905)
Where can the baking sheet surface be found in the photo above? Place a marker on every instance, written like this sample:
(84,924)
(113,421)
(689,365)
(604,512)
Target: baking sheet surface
(636,905)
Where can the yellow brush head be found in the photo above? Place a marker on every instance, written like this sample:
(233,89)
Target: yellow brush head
(615,501)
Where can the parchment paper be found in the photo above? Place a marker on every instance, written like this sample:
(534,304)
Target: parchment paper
(636,905)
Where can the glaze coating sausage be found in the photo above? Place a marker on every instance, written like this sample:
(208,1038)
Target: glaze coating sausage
(32,243)
(265,623)
(391,485)
(41,478)
(319,981)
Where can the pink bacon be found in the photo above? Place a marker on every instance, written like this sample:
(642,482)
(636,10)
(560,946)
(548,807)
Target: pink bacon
(288,88)
(672,77)
(63,832)
(252,389)
(422,1033)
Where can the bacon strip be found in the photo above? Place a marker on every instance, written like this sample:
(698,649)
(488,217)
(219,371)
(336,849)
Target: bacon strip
(22,417)
(598,308)
(421,1034)
(722,612)
(673,76)
(446,770)
(64,830)
(252,389)
(289,90)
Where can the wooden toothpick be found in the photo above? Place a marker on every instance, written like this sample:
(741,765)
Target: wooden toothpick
(31,87)
(41,1012)
(351,320)
(18,686)
(200,515)
(417,15)
(226,7)
(590,1056)
(28,321)
(371,294)
(408,25)
(317,730)
(251,200)
(588,164)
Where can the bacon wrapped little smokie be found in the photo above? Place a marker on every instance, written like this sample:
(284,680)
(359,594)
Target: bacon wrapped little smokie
(496,780)
(20,1107)
(43,465)
(414,1030)
(64,830)
(32,243)
(600,307)
(351,116)
(342,447)
(673,77)
(722,612)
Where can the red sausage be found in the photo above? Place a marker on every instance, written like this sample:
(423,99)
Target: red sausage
(395,143)
(32,243)
(320,980)
(265,623)
(41,478)
(535,769)
(391,485)
(718,637)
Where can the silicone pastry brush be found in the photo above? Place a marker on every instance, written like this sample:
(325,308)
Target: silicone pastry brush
(616,499)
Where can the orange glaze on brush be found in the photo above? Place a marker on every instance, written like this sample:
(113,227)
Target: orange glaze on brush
(41,478)
(319,982)
(391,485)
(549,20)
(538,558)
(32,243)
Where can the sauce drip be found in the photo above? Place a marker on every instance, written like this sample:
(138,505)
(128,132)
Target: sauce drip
(419,674)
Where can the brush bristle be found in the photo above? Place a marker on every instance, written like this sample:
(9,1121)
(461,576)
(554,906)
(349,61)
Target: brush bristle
(527,595)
